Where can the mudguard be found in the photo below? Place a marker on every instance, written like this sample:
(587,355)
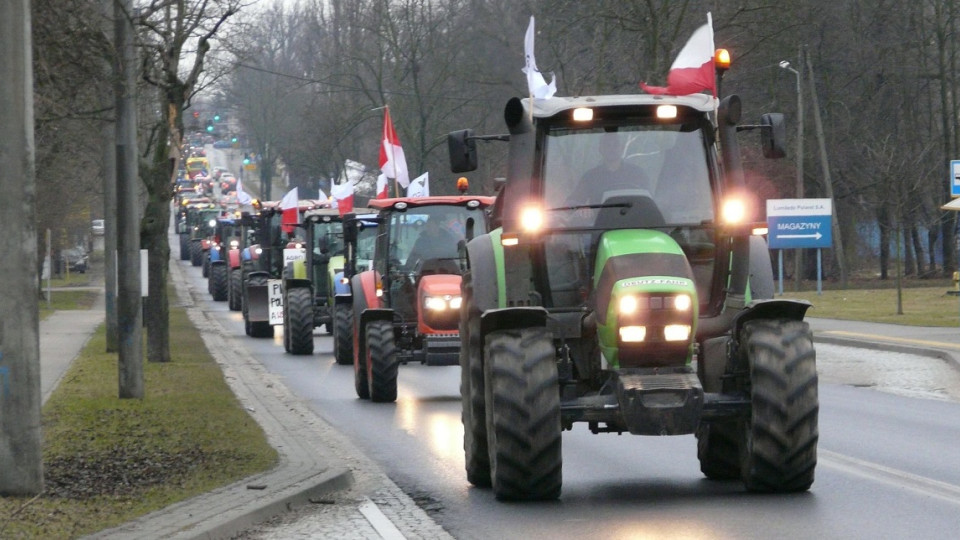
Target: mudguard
(258,309)
(513,318)
(340,288)
(216,257)
(486,270)
(233,258)
(793,310)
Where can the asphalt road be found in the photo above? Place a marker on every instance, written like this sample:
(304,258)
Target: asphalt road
(888,426)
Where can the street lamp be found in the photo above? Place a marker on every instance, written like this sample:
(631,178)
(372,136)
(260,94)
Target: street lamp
(798,259)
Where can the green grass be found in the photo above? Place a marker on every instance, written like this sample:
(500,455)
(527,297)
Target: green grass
(924,302)
(107,460)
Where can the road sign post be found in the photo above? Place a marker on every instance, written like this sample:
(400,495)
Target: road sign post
(800,224)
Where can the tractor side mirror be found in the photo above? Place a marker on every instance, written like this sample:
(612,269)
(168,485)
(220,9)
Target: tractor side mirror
(773,135)
(463,151)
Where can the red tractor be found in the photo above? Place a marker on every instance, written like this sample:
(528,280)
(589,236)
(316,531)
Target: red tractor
(407,308)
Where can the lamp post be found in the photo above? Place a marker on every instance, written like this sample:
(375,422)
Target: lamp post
(798,259)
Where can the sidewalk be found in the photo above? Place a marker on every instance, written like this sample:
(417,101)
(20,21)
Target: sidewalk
(937,342)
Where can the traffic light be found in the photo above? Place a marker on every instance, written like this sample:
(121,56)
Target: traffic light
(196,114)
(246,158)
(233,139)
(216,118)
(209,127)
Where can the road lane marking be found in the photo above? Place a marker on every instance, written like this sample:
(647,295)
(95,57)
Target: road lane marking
(938,344)
(920,484)
(384,527)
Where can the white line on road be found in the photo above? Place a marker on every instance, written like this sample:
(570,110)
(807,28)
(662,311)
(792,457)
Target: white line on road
(384,527)
(874,471)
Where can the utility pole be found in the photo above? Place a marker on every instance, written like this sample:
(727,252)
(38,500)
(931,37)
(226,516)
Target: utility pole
(798,254)
(21,464)
(129,310)
(108,166)
(827,180)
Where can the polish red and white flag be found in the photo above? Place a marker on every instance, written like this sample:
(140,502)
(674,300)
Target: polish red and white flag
(694,70)
(393,164)
(290,204)
(343,196)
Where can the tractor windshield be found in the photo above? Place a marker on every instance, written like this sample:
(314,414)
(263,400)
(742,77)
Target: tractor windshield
(641,176)
(426,233)
(659,167)
(328,238)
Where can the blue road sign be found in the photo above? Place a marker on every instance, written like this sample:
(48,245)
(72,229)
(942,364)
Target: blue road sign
(799,223)
(955,178)
(787,232)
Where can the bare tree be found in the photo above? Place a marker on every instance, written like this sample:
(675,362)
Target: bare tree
(172,31)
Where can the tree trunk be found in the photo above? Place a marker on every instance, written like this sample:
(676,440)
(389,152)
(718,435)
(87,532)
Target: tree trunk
(883,221)
(909,261)
(153,237)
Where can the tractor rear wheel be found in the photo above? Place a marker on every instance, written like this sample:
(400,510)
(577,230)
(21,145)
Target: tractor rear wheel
(473,411)
(298,321)
(234,294)
(196,254)
(342,338)
(184,247)
(205,261)
(718,449)
(523,414)
(779,448)
(219,282)
(359,365)
(382,363)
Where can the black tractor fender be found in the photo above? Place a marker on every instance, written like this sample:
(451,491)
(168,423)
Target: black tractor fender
(343,299)
(512,318)
(483,272)
(793,310)
(295,283)
(218,262)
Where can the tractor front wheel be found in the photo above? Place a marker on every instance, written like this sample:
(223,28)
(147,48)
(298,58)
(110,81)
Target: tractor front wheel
(219,282)
(234,294)
(298,321)
(382,364)
(779,448)
(523,414)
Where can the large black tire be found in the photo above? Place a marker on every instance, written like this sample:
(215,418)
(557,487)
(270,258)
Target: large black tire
(472,411)
(219,282)
(196,254)
(184,247)
(258,329)
(779,448)
(234,292)
(359,365)
(342,337)
(718,449)
(205,261)
(382,362)
(523,414)
(298,321)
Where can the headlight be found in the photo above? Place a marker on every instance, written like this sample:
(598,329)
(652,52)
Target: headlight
(531,219)
(441,303)
(676,332)
(212,223)
(628,305)
(682,302)
(632,334)
(258,251)
(734,211)
(234,244)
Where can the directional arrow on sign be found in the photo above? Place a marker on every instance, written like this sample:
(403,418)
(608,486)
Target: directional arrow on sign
(815,236)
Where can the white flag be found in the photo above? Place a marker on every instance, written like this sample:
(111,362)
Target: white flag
(242,196)
(419,186)
(537,85)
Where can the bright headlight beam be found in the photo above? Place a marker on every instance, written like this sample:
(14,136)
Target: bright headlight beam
(682,302)
(628,305)
(676,332)
(531,219)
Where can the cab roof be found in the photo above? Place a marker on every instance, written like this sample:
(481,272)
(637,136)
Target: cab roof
(545,108)
(426,201)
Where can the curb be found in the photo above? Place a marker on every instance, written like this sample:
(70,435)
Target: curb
(301,475)
(949,357)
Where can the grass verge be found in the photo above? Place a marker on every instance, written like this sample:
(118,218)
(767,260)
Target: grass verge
(107,460)
(920,306)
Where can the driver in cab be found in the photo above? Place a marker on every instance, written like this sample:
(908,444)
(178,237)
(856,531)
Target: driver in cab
(434,242)
(613,173)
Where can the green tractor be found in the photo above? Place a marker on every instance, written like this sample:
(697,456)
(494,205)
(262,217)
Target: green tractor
(309,283)
(635,297)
